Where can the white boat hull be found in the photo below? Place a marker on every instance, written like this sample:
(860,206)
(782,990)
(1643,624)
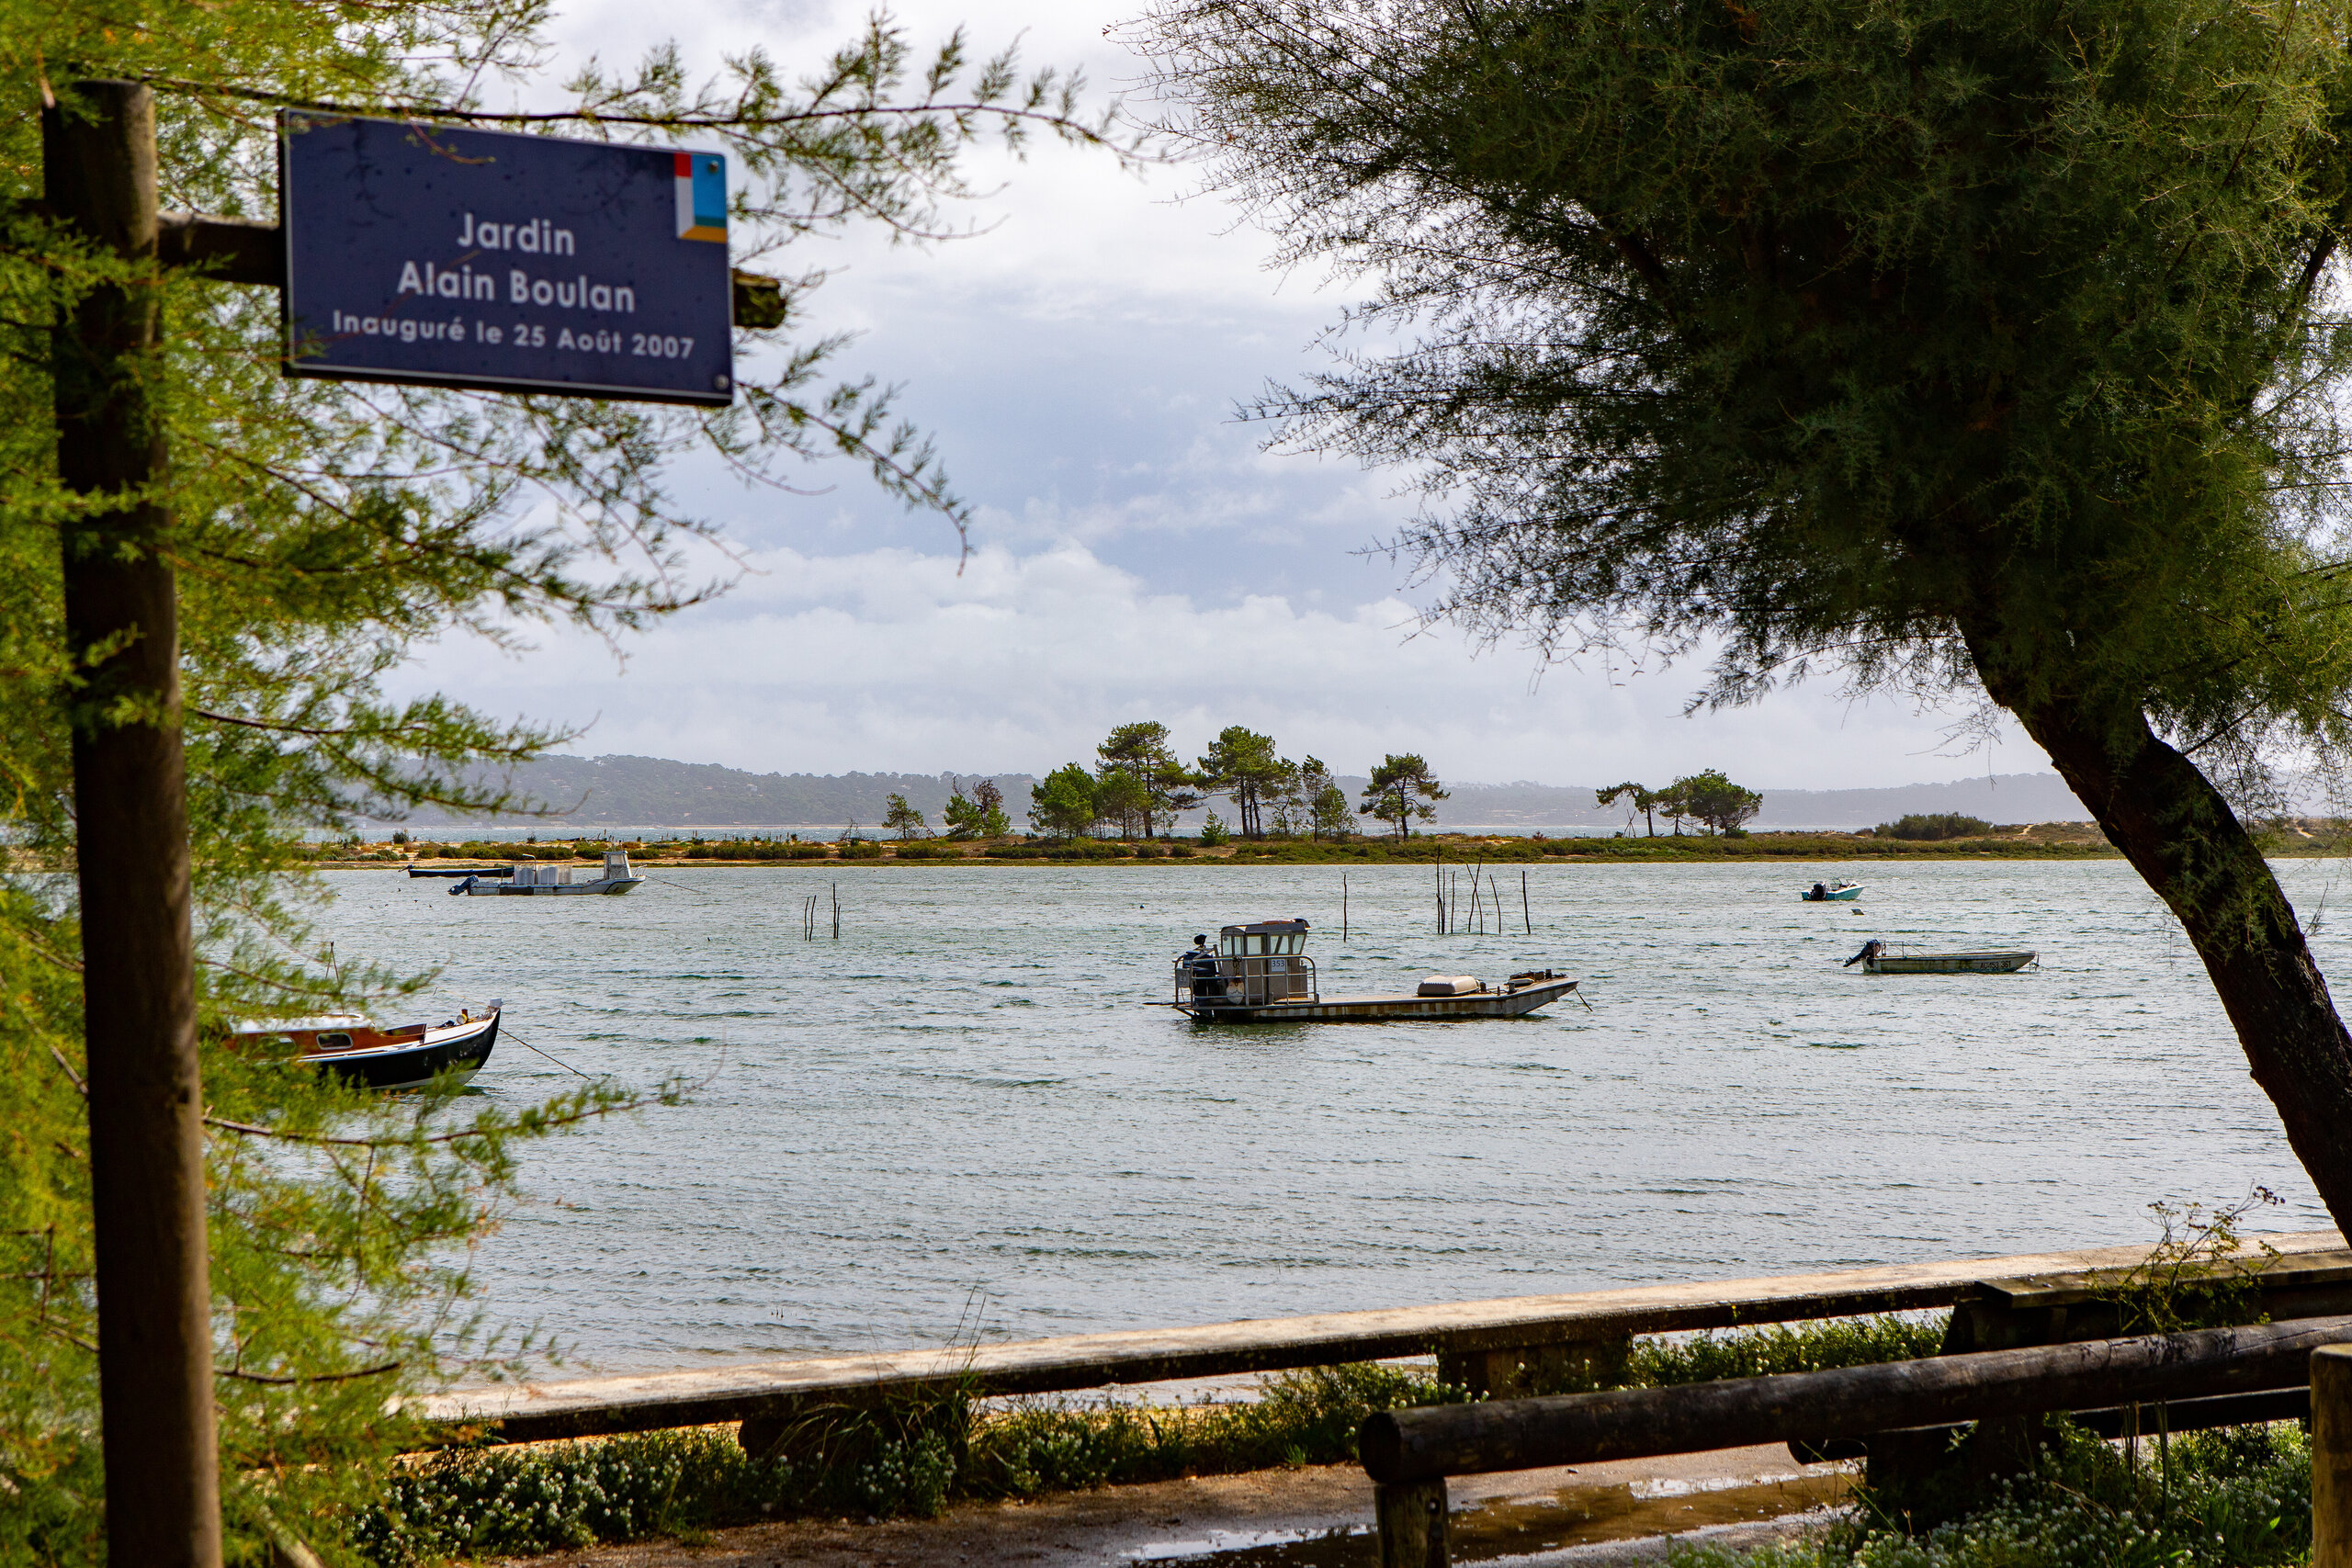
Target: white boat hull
(508,890)
(1382,1008)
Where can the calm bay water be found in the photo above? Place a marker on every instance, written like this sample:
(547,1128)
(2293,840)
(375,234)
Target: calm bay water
(960,1120)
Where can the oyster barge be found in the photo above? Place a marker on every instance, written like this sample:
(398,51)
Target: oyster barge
(1261,973)
(528,877)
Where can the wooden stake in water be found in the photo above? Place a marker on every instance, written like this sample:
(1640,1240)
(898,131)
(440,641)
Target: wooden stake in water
(1524,914)
(1343,907)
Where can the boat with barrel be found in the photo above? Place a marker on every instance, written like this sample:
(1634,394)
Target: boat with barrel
(526,878)
(1261,973)
(408,1056)
(1879,958)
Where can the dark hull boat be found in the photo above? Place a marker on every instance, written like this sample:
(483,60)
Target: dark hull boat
(409,1056)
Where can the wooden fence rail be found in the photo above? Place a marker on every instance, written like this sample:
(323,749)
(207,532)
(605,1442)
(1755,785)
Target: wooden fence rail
(1489,1346)
(2259,1372)
(1430,1442)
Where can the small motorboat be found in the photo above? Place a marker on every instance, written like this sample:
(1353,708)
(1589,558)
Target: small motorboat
(1831,892)
(1261,973)
(358,1052)
(528,877)
(1877,958)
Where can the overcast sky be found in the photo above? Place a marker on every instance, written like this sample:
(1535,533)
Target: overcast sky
(1138,555)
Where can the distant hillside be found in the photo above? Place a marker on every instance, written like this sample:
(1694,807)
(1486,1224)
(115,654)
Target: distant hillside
(648,792)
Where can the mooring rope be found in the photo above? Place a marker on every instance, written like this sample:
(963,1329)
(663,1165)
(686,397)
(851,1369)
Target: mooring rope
(559,1061)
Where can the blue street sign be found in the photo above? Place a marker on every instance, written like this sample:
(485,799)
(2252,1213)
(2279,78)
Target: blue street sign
(420,253)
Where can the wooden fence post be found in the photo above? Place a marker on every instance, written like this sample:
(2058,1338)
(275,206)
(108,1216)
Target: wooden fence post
(1412,1523)
(2332,1457)
(162,1502)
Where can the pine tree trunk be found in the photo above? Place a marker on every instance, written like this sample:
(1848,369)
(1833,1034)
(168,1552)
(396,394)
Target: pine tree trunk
(2185,842)
(130,816)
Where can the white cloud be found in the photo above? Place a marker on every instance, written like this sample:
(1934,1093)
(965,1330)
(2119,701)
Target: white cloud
(887,660)
(1140,555)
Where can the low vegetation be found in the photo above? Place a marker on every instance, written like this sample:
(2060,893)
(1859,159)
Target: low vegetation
(1935,825)
(552,1496)
(2235,1498)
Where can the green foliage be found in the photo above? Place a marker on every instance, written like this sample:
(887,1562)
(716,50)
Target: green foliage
(903,818)
(1782,1348)
(1714,799)
(1644,800)
(1243,765)
(1214,833)
(1402,790)
(1062,803)
(554,1496)
(2236,1497)
(1935,825)
(1950,333)
(2198,1274)
(979,815)
(1143,779)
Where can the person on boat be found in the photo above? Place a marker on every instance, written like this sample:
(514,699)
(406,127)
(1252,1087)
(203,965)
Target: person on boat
(1201,965)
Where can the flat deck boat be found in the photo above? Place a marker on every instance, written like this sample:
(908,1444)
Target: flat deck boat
(1877,958)
(1261,973)
(409,1057)
(524,878)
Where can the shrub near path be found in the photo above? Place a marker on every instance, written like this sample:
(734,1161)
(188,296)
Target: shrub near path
(552,1496)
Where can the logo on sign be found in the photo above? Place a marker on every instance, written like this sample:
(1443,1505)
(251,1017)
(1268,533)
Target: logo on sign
(702,197)
(459,258)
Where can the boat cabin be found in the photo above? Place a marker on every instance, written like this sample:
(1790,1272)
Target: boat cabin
(1254,964)
(537,873)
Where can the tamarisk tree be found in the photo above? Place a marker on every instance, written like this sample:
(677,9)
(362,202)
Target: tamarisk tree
(1988,349)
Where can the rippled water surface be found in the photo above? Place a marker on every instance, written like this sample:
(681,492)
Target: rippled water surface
(961,1118)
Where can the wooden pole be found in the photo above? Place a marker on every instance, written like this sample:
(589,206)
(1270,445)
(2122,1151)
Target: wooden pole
(1343,907)
(146,1099)
(1531,1434)
(1412,1525)
(1525,912)
(2332,1457)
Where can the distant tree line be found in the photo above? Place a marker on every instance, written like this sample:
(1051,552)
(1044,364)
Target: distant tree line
(1708,798)
(1935,825)
(1138,786)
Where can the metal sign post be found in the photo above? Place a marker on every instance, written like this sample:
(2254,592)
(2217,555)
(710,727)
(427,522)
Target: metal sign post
(477,258)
